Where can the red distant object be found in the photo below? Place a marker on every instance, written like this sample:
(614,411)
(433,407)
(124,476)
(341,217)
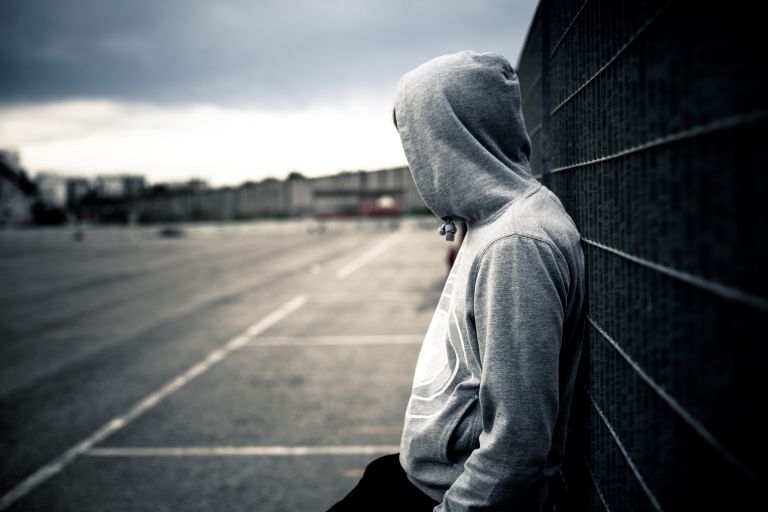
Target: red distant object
(385,206)
(381,208)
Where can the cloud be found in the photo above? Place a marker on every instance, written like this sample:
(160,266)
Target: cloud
(222,144)
(228,90)
(237,52)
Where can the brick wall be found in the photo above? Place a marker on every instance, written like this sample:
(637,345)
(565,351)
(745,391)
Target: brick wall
(648,118)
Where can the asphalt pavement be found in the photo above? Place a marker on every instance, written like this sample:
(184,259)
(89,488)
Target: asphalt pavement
(245,371)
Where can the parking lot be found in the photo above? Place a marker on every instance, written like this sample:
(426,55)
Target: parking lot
(240,371)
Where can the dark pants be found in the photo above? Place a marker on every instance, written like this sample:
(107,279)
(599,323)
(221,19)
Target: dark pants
(384,486)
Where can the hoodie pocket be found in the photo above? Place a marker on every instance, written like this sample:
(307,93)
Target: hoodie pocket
(459,438)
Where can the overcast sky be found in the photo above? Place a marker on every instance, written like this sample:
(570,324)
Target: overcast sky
(229,90)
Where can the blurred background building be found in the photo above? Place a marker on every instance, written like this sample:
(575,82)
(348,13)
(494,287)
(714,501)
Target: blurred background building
(119,197)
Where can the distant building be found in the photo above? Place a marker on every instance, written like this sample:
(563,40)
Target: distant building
(191,185)
(77,189)
(197,184)
(52,189)
(386,192)
(62,191)
(119,185)
(17,191)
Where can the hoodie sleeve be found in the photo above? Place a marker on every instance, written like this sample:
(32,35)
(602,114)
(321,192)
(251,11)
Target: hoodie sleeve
(519,309)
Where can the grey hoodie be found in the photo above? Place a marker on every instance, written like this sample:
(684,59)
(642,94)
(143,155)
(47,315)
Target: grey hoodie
(485,425)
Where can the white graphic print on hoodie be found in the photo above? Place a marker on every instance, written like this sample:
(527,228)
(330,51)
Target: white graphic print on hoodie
(485,426)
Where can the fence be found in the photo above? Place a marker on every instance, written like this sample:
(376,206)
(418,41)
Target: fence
(647,119)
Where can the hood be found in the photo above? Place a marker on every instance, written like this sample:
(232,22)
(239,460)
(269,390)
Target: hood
(461,125)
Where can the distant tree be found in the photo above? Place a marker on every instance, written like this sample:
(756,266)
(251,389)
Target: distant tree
(296,175)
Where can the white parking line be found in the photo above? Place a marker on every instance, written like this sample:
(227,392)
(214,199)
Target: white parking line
(368,256)
(346,340)
(69,456)
(240,451)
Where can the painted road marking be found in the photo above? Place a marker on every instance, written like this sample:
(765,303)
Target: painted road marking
(368,256)
(239,451)
(69,456)
(308,341)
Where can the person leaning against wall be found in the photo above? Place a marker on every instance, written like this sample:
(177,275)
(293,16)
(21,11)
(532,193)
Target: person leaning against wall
(485,425)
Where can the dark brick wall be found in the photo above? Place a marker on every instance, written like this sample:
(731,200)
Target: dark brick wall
(648,118)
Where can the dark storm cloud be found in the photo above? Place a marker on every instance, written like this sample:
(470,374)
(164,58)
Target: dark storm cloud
(256,52)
